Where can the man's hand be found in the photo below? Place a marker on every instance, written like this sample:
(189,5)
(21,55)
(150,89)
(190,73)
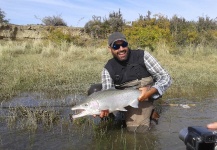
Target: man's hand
(146,93)
(212,126)
(104,113)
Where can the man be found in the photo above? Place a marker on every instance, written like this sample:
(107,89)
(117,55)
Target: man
(134,68)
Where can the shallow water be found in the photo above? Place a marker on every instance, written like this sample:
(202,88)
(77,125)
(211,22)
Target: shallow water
(70,135)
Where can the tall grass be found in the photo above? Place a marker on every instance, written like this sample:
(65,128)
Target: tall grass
(27,118)
(51,68)
(65,68)
(192,68)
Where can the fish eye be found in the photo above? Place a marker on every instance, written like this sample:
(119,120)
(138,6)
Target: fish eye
(85,104)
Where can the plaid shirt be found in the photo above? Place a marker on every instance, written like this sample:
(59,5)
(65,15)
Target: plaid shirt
(160,75)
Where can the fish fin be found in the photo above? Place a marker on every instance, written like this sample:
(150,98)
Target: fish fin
(134,104)
(121,109)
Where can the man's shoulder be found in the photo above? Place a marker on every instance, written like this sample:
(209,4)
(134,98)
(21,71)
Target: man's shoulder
(141,51)
(137,53)
(109,62)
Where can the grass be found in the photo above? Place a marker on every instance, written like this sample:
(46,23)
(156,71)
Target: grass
(62,69)
(39,66)
(56,69)
(193,69)
(30,119)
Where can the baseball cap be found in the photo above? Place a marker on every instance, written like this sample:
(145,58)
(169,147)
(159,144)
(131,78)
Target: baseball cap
(115,37)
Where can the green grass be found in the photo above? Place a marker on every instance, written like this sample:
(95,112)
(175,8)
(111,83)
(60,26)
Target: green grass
(55,69)
(65,68)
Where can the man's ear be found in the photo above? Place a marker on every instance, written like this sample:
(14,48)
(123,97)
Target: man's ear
(109,49)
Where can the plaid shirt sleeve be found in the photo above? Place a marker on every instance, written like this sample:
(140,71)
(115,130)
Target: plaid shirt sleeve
(107,81)
(160,75)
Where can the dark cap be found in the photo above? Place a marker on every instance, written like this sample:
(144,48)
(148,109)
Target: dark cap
(115,37)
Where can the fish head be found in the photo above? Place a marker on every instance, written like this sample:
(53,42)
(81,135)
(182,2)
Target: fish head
(87,108)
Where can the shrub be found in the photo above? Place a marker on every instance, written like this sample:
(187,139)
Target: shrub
(54,21)
(97,28)
(57,35)
(2,17)
(147,32)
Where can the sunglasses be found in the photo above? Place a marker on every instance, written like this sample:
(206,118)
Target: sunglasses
(117,46)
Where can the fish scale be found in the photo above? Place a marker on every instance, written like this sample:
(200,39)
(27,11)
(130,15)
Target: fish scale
(112,100)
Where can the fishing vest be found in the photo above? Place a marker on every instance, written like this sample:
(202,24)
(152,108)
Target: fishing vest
(131,69)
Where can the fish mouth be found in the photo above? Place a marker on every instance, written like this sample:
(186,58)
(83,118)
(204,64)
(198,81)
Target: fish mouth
(79,113)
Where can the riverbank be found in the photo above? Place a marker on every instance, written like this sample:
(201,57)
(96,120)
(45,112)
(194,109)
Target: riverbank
(36,66)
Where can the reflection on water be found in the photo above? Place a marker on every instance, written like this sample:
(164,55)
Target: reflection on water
(70,135)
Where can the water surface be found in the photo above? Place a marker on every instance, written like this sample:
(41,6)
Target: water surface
(66,134)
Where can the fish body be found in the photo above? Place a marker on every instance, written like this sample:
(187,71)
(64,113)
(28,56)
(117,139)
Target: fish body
(111,99)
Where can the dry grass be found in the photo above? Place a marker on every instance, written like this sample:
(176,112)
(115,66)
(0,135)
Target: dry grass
(65,68)
(194,68)
(58,69)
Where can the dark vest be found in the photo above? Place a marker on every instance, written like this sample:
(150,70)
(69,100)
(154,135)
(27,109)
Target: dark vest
(131,69)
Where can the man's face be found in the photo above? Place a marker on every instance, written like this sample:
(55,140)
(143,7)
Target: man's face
(120,50)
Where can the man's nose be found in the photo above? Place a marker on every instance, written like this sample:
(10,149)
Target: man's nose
(121,48)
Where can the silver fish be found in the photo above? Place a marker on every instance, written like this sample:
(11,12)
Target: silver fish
(111,99)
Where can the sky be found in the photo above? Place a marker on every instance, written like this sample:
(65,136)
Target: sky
(77,13)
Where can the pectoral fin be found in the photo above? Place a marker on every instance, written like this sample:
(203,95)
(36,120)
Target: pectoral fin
(134,103)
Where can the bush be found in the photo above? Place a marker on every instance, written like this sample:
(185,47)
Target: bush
(148,32)
(93,28)
(2,17)
(65,34)
(54,21)
(97,28)
(57,35)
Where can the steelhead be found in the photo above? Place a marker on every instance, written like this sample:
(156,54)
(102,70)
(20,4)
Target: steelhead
(111,99)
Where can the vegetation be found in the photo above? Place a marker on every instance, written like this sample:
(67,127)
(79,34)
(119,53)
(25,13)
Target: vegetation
(64,63)
(62,69)
(58,35)
(49,67)
(100,28)
(148,31)
(54,21)
(27,118)
(2,17)
(145,32)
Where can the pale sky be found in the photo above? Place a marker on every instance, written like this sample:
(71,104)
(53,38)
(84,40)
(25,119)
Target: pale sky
(78,12)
